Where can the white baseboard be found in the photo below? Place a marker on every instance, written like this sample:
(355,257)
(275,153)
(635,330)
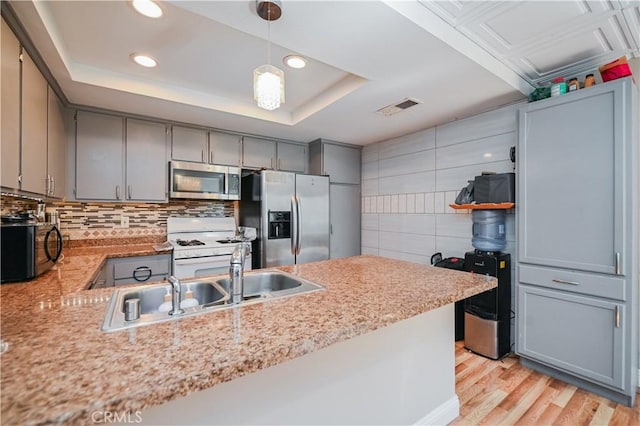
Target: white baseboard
(443,414)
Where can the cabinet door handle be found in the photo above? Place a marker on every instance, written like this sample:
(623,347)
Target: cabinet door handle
(618,264)
(48,188)
(143,269)
(129,191)
(565,282)
(211,157)
(117,192)
(202,155)
(617,317)
(271,163)
(53,185)
(279,164)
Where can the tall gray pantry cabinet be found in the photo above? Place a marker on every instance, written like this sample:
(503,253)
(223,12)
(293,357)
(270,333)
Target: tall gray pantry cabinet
(341,162)
(577,219)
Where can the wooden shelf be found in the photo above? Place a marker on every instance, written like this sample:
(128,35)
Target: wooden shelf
(483,206)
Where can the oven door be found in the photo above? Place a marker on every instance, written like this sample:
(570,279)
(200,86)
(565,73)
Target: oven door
(203,266)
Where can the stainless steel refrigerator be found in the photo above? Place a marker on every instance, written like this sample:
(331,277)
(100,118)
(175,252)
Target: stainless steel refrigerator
(291,214)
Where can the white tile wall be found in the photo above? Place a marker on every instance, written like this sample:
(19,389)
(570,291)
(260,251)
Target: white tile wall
(421,161)
(415,182)
(454,179)
(409,182)
(408,144)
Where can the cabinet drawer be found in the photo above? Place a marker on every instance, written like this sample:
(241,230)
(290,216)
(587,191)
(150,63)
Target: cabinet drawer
(141,268)
(575,282)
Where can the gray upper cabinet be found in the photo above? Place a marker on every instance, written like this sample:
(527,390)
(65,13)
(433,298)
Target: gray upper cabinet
(258,153)
(577,217)
(341,163)
(56,147)
(113,167)
(201,146)
(292,157)
(99,156)
(34,128)
(572,155)
(146,159)
(189,144)
(10,126)
(33,125)
(225,148)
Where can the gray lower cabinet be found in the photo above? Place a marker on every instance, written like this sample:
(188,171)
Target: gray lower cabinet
(137,270)
(146,159)
(578,231)
(344,214)
(580,334)
(10,117)
(99,157)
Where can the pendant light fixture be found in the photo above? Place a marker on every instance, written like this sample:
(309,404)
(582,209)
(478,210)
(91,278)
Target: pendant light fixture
(268,81)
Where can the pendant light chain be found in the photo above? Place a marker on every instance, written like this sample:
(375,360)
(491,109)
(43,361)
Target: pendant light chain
(269,35)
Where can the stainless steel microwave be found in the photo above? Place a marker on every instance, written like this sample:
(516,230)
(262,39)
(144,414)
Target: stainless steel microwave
(203,181)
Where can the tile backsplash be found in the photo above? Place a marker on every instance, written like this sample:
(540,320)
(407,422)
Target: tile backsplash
(103,220)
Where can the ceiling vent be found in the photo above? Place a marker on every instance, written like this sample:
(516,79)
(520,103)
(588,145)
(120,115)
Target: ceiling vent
(398,107)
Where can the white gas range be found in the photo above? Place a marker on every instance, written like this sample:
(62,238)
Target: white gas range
(202,245)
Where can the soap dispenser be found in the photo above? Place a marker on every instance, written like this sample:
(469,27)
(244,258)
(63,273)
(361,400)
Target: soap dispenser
(189,301)
(167,305)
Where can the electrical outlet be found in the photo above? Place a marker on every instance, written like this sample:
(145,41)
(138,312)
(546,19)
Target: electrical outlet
(124,221)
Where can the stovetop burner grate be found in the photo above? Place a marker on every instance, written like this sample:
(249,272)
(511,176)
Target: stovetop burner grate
(189,243)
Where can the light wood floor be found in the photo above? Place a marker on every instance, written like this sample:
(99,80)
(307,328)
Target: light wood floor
(506,393)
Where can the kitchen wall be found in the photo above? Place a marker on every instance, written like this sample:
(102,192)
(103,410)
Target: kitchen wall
(409,182)
(85,221)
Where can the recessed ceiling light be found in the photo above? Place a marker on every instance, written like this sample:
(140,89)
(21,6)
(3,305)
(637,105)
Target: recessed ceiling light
(144,60)
(147,8)
(295,61)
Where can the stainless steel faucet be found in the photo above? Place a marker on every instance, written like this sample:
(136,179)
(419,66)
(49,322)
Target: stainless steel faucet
(236,272)
(176,289)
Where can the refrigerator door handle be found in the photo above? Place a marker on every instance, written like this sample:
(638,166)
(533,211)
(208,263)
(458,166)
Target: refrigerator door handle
(298,225)
(294,225)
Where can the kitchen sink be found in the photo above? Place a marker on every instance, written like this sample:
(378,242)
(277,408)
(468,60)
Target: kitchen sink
(208,295)
(211,294)
(271,284)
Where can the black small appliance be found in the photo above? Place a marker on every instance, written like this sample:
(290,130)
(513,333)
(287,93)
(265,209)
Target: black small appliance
(487,315)
(29,248)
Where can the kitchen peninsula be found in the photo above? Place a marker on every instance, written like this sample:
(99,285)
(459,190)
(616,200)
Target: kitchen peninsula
(375,347)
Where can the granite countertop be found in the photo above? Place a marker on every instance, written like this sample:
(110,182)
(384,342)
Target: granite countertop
(60,367)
